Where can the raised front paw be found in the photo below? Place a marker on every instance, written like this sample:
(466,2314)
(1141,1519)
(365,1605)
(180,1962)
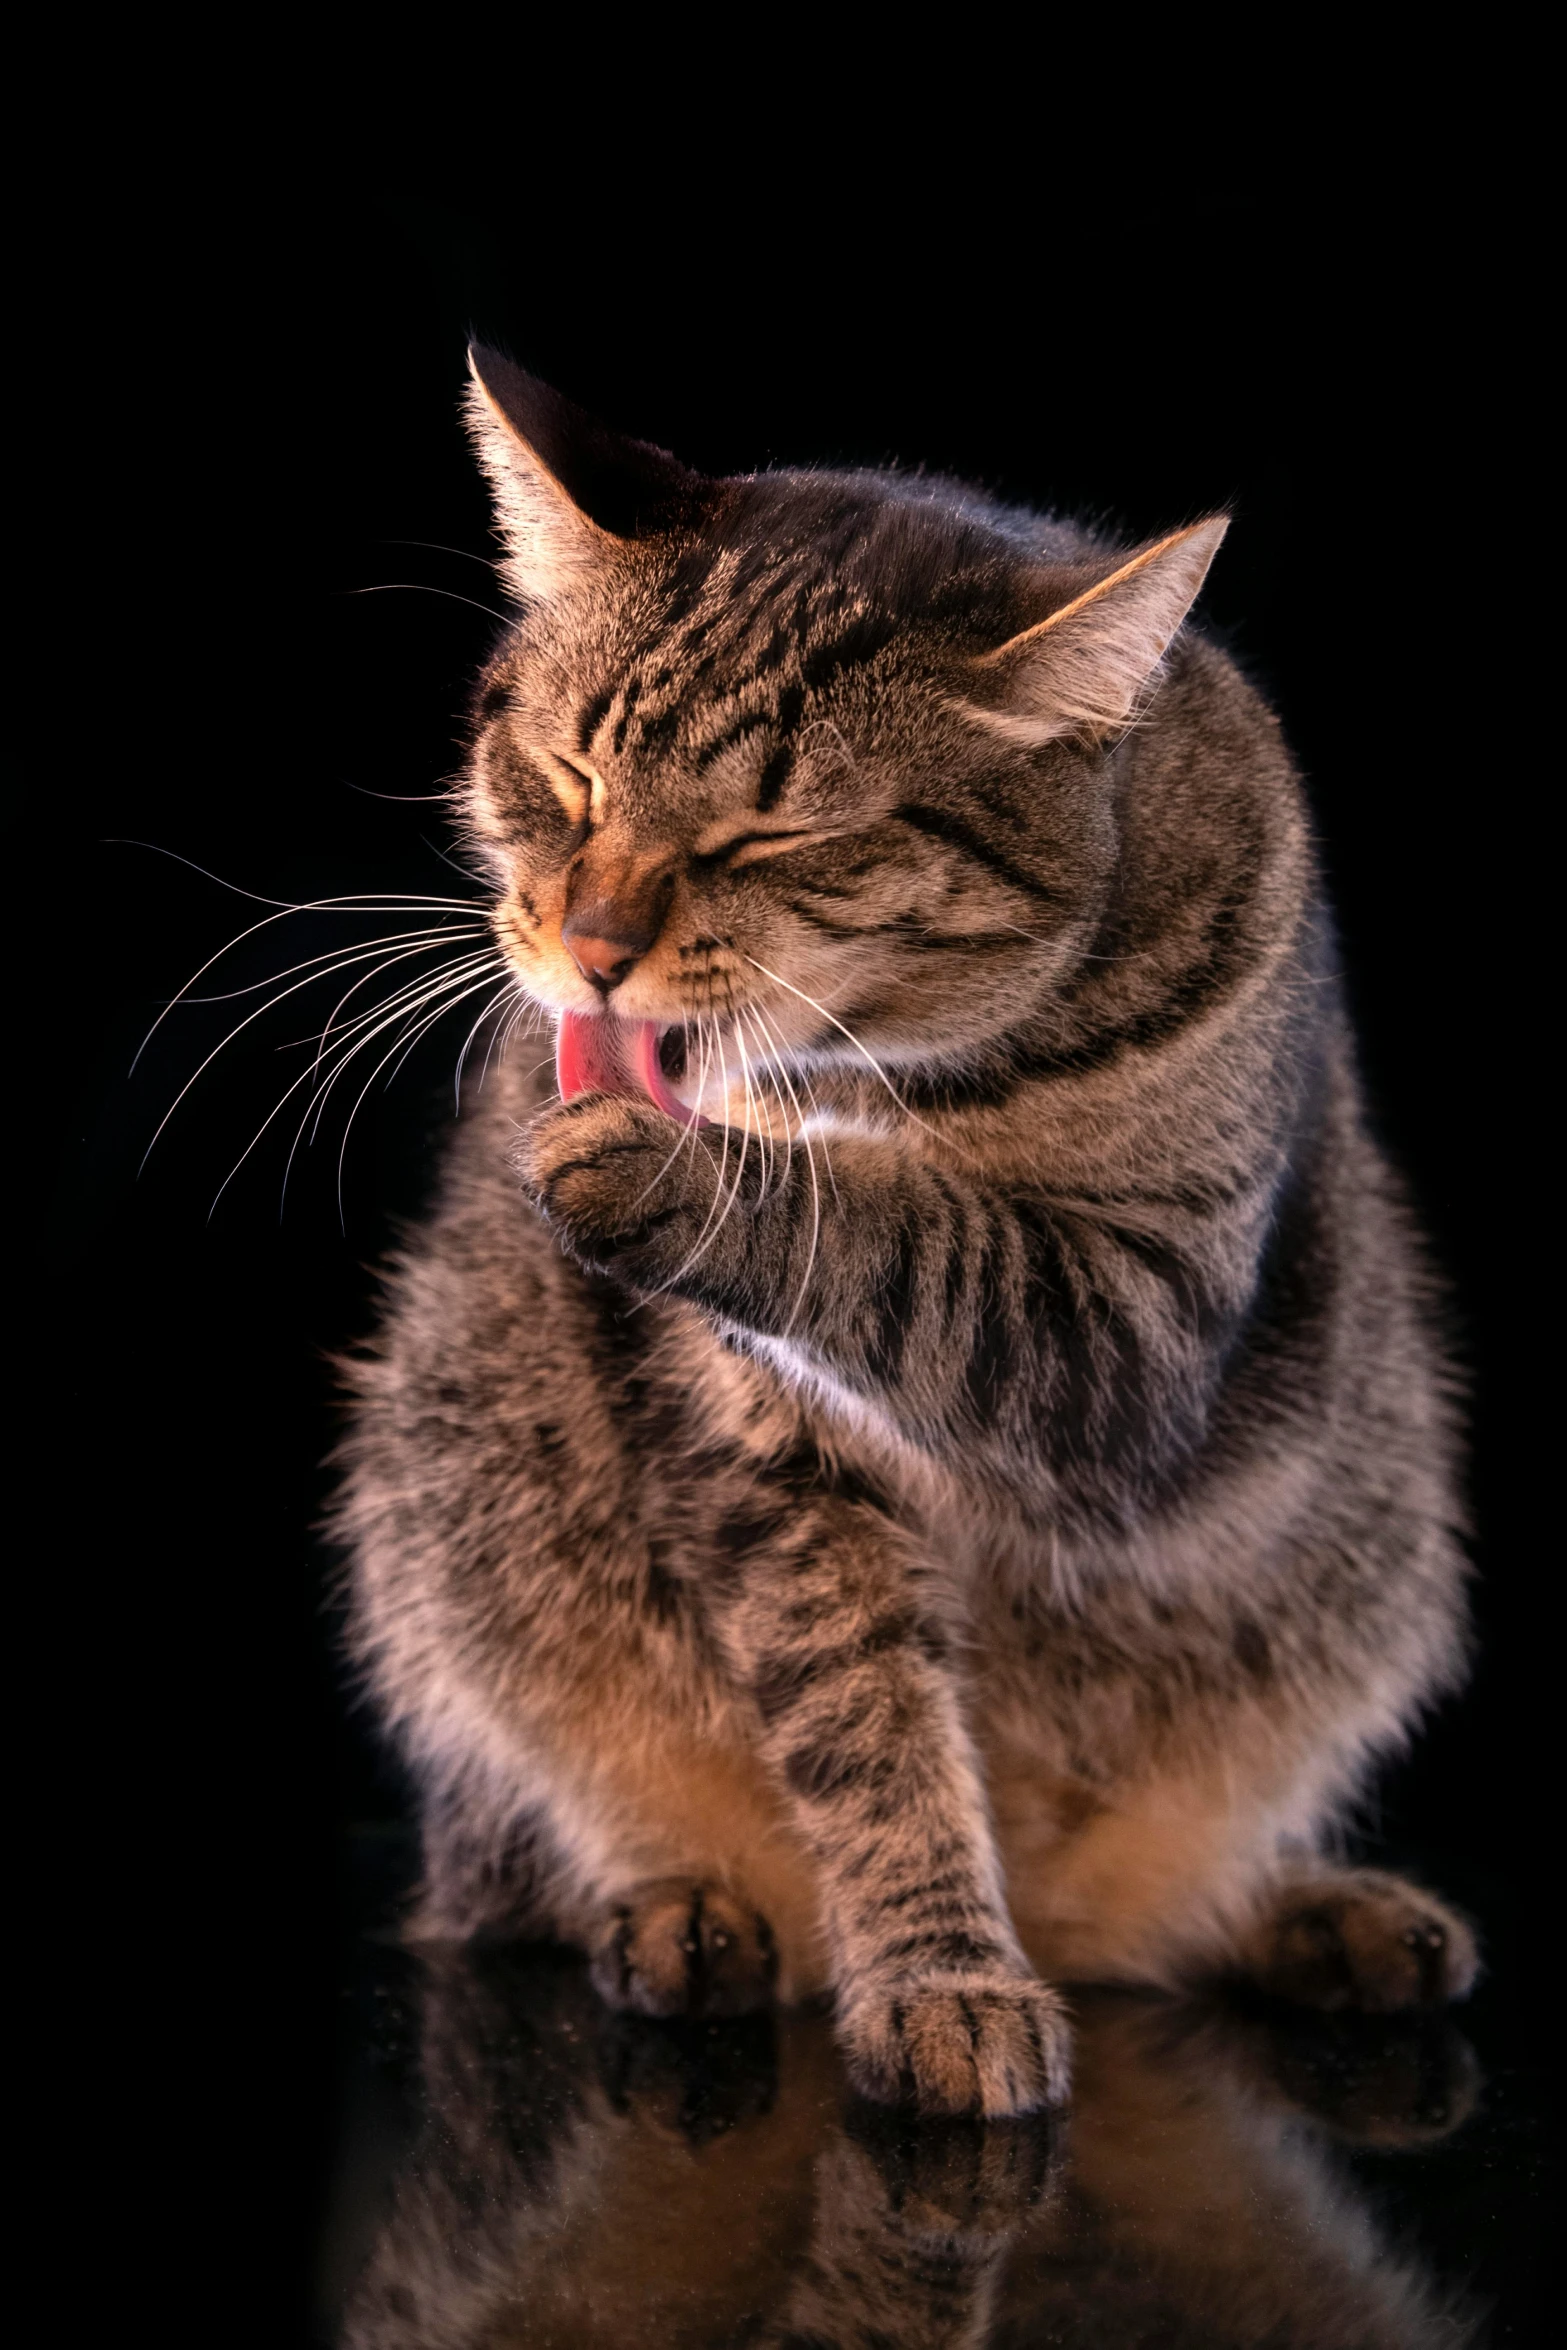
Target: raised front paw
(625,1187)
(978,2046)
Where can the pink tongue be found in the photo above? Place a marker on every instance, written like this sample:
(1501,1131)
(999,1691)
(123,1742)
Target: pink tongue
(596,1053)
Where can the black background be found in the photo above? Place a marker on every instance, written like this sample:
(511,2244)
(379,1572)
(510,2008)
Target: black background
(261,412)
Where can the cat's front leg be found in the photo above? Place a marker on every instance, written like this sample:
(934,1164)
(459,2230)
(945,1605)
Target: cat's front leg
(818,1603)
(817,1600)
(912,2232)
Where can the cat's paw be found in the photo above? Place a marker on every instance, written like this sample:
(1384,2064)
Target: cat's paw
(975,2047)
(625,1187)
(689,2079)
(676,1948)
(1358,1938)
(952,2178)
(1402,2080)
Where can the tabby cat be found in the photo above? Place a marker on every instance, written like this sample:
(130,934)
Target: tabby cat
(918,1467)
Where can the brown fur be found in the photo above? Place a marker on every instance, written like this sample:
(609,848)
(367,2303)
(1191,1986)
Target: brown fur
(976,1509)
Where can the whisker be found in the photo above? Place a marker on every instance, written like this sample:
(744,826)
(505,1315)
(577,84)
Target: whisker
(409,955)
(482,975)
(184,995)
(317,1102)
(416,1020)
(476,878)
(704,1063)
(503,1036)
(370,901)
(335,959)
(810,1162)
(404,799)
(238,1030)
(687,1141)
(771,1048)
(417,587)
(723,1161)
(323,1043)
(821,1136)
(815,1112)
(863,1050)
(506,987)
(751,1101)
(816,1231)
(708,1236)
(395,899)
(408,1002)
(765,1071)
(755,1096)
(684,1141)
(694,1254)
(436,548)
(773,1104)
(427,1022)
(1140,954)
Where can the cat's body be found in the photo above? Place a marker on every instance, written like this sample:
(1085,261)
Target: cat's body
(1003,1535)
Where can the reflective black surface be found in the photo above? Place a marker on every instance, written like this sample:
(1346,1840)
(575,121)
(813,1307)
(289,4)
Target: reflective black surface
(519,2167)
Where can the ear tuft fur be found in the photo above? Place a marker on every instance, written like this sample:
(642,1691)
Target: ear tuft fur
(1089,665)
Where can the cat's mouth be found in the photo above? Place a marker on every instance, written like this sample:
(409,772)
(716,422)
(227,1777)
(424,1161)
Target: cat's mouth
(596,1053)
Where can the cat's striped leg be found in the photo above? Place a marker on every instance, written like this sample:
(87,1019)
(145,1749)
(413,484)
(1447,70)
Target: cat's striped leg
(912,2234)
(818,1607)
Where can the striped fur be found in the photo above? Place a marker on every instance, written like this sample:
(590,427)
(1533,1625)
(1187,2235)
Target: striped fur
(983,1502)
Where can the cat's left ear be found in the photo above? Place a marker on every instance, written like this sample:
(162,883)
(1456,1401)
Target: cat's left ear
(1087,666)
(569,492)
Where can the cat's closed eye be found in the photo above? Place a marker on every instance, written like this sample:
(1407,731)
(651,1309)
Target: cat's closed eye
(746,847)
(573,786)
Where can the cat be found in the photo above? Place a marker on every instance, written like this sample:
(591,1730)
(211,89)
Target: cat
(574,2176)
(921,1467)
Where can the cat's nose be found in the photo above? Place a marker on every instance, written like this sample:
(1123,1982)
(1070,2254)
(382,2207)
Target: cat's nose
(615,909)
(604,962)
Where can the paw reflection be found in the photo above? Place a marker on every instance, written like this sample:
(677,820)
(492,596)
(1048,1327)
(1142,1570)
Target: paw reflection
(598,2179)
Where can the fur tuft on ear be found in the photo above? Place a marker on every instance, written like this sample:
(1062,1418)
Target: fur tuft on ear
(1088,666)
(567,490)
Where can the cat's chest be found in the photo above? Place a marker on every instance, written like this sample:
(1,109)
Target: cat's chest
(766,1410)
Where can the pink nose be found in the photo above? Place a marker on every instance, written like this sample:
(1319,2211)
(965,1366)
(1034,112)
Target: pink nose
(604,961)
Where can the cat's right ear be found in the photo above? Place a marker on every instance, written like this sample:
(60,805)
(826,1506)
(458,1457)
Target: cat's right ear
(569,493)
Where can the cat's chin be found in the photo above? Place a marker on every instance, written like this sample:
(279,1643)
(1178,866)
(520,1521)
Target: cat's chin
(597,1053)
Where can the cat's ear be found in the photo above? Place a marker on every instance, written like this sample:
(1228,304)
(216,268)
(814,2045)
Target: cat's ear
(1087,667)
(568,491)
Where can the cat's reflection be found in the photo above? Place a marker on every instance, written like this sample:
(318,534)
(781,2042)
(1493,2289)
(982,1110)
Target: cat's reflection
(582,2180)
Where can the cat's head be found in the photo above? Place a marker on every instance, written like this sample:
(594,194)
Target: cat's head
(803,757)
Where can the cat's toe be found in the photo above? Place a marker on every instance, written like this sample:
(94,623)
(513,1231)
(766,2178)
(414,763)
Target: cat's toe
(676,1948)
(1363,1939)
(983,2048)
